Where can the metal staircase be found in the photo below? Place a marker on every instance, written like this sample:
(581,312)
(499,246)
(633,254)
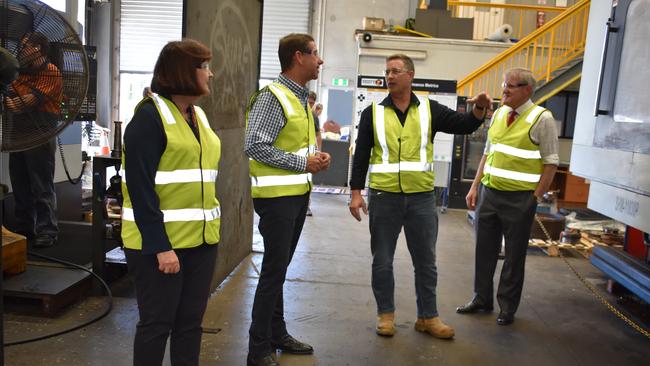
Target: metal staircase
(561,78)
(553,52)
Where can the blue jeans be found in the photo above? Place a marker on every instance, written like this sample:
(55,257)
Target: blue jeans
(416,212)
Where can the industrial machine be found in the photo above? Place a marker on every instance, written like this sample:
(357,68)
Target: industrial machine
(611,143)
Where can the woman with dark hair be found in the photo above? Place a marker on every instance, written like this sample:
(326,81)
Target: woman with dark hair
(171,216)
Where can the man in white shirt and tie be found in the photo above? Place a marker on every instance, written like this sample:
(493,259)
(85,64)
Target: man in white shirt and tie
(517,168)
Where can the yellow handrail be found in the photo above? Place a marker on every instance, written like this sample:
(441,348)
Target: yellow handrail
(462,9)
(549,9)
(543,51)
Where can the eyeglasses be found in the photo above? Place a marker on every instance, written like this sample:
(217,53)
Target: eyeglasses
(512,86)
(204,65)
(310,52)
(394,71)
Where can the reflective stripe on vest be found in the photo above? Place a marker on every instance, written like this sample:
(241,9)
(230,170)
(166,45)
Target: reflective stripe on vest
(280,180)
(411,166)
(296,137)
(526,177)
(401,159)
(283,99)
(183,214)
(182,176)
(405,166)
(514,162)
(166,112)
(186,192)
(520,153)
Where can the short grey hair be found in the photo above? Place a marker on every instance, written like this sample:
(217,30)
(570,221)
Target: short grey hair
(525,76)
(408,63)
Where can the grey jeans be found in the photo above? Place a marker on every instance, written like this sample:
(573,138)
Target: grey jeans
(416,213)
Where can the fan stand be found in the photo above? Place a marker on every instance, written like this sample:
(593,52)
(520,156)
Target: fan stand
(2,198)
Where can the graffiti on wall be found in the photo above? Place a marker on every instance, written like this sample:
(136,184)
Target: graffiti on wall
(234,61)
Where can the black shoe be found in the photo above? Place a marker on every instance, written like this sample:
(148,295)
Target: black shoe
(474,306)
(505,318)
(289,344)
(44,241)
(266,360)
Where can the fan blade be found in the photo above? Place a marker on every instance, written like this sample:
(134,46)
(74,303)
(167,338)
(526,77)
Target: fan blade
(8,68)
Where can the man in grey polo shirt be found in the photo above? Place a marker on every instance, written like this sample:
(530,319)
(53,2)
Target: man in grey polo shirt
(518,165)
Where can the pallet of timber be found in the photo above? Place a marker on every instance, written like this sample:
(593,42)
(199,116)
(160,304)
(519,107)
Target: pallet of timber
(552,247)
(14,252)
(602,238)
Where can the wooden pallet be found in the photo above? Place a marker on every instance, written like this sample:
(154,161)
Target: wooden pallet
(51,286)
(552,247)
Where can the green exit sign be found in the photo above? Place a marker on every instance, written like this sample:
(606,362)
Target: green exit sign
(339,82)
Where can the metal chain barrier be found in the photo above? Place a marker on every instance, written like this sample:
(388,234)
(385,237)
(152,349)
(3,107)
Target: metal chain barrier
(594,290)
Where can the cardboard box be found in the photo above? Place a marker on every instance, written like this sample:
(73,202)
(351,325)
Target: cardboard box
(440,24)
(373,24)
(426,21)
(456,28)
(438,4)
(576,189)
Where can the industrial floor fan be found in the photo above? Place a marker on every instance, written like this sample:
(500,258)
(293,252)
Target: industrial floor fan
(43,79)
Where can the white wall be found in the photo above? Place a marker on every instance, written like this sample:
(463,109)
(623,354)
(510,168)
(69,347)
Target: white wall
(434,58)
(334,24)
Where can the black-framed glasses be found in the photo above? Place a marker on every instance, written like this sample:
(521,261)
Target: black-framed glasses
(512,86)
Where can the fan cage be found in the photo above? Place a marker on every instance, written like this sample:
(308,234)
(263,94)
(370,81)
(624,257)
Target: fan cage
(32,118)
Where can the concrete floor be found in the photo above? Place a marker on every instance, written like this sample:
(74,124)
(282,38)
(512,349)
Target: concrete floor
(329,304)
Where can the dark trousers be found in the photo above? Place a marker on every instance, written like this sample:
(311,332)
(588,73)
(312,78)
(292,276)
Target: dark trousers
(32,180)
(509,215)
(171,304)
(281,222)
(416,213)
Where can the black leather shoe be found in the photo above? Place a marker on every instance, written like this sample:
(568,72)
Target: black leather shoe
(505,318)
(266,360)
(44,241)
(474,306)
(289,344)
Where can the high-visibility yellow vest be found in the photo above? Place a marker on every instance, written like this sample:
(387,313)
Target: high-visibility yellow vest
(402,156)
(296,137)
(514,162)
(185,182)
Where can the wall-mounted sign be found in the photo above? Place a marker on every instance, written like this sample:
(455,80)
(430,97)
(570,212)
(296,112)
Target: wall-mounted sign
(340,82)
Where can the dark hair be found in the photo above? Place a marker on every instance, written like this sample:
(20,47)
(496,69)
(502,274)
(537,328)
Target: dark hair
(312,95)
(289,44)
(408,63)
(39,39)
(175,71)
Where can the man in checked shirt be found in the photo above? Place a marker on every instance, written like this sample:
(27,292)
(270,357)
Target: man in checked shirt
(281,144)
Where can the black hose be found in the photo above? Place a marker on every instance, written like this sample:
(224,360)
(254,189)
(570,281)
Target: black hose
(65,165)
(85,324)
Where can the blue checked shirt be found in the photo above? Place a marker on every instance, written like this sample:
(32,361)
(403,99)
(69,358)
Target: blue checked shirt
(265,121)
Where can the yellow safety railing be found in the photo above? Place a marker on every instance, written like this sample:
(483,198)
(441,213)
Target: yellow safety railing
(543,51)
(489,16)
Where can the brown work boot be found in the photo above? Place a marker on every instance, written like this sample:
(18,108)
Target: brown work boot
(435,327)
(386,324)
